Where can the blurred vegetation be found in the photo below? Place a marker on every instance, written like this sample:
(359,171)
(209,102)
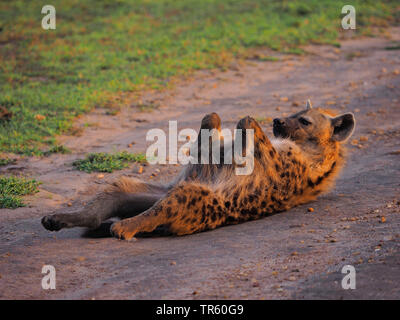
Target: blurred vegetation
(7,161)
(105,162)
(12,188)
(102,48)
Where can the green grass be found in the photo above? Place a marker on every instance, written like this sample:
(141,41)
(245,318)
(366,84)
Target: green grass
(7,161)
(150,107)
(264,120)
(103,50)
(57,149)
(268,58)
(393,47)
(12,188)
(104,162)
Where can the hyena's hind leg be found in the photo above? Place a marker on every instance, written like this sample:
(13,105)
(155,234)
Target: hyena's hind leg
(126,198)
(188,208)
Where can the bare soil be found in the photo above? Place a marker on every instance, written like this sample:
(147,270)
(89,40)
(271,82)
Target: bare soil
(295,254)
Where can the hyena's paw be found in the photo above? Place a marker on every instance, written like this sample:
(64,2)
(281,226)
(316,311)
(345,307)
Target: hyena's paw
(53,222)
(122,231)
(211,121)
(250,123)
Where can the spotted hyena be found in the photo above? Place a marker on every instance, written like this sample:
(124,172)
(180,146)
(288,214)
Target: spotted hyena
(300,163)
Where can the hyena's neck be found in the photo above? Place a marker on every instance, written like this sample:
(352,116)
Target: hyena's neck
(310,170)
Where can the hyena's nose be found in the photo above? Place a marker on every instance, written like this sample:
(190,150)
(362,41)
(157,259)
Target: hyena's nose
(278,122)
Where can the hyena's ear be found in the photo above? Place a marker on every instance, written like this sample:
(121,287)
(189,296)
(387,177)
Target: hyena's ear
(343,127)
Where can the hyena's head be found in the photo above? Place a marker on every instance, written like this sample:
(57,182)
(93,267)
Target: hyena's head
(314,126)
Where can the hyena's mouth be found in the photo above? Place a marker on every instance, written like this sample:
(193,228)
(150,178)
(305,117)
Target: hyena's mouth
(280,131)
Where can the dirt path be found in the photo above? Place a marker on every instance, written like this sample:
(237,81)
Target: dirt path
(292,254)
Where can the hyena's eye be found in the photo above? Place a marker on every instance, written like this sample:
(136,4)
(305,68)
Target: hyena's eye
(304,122)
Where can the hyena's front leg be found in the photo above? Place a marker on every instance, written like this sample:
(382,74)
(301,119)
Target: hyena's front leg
(259,152)
(260,139)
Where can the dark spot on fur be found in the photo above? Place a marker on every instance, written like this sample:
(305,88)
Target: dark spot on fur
(263,204)
(181,199)
(254,211)
(205,192)
(330,170)
(235,202)
(227,204)
(271,153)
(289,153)
(215,202)
(230,219)
(310,183)
(326,174)
(319,180)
